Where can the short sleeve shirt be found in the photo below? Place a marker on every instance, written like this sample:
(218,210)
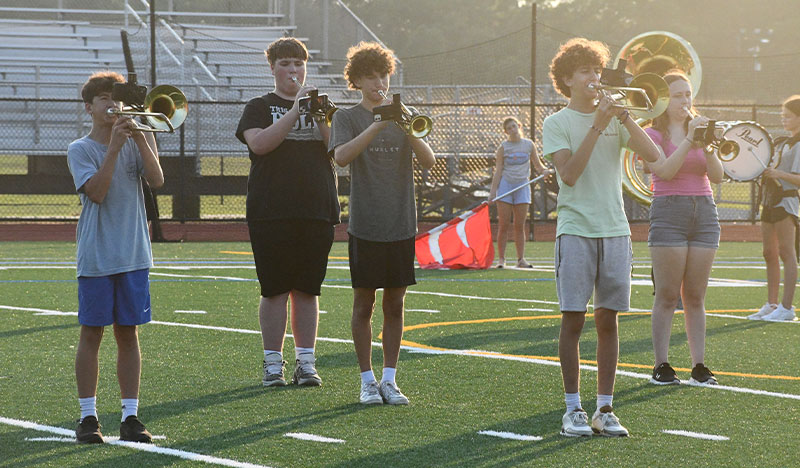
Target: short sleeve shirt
(296,180)
(790,162)
(593,207)
(382,206)
(112,236)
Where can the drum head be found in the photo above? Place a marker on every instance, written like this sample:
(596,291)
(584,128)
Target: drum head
(754,151)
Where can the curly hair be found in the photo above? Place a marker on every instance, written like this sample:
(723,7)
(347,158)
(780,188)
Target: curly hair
(792,103)
(366,58)
(98,83)
(575,53)
(661,123)
(286,47)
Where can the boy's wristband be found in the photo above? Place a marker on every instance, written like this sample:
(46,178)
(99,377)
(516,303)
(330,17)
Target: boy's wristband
(599,132)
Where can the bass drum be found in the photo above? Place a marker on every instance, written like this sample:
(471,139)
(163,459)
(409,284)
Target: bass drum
(745,151)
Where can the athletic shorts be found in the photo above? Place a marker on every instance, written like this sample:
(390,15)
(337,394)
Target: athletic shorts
(601,265)
(519,197)
(290,254)
(774,214)
(684,221)
(376,265)
(123,298)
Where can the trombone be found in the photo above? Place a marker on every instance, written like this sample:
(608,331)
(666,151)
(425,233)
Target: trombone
(639,96)
(318,105)
(165,109)
(417,126)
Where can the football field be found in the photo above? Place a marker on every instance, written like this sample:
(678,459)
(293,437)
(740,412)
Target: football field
(479,365)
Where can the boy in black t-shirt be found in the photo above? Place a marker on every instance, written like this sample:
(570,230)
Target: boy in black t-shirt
(292,206)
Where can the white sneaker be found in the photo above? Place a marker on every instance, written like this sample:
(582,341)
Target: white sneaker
(606,423)
(370,395)
(781,314)
(766,309)
(391,394)
(273,371)
(575,424)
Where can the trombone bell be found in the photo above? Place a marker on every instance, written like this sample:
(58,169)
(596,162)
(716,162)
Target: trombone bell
(165,108)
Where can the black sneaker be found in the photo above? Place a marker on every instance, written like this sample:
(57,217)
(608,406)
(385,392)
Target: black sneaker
(701,375)
(664,374)
(88,431)
(132,430)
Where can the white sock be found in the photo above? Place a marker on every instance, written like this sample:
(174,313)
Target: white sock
(604,400)
(299,351)
(130,407)
(388,374)
(367,377)
(88,406)
(573,401)
(267,352)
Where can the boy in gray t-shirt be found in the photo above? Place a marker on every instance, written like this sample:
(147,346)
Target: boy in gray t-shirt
(383,218)
(114,256)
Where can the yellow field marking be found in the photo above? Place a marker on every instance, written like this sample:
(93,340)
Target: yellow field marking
(554,358)
(232,252)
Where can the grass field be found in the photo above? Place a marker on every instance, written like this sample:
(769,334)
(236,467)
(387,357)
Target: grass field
(480,355)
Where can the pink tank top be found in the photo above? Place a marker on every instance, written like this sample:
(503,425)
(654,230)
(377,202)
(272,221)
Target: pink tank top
(691,178)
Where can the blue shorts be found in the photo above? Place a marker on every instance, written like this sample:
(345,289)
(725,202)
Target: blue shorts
(519,197)
(684,221)
(123,298)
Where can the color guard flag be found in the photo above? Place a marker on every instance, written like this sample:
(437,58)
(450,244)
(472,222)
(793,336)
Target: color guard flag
(463,242)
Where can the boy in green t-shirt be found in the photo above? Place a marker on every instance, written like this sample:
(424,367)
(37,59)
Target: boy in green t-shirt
(593,249)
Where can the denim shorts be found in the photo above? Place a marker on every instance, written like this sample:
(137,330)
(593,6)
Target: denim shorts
(684,221)
(518,197)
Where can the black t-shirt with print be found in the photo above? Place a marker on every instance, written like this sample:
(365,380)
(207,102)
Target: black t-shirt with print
(297,179)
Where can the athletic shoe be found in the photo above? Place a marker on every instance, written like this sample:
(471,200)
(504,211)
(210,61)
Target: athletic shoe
(664,374)
(133,430)
(606,423)
(780,314)
(765,310)
(370,395)
(304,371)
(575,424)
(501,263)
(273,372)
(88,431)
(391,394)
(701,375)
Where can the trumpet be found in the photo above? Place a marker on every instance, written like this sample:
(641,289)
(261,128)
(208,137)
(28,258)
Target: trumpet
(317,105)
(646,96)
(417,126)
(165,109)
(712,135)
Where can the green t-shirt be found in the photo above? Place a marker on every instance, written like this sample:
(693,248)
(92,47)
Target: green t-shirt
(593,206)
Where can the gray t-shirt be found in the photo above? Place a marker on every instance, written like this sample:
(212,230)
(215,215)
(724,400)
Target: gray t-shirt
(382,207)
(517,161)
(790,162)
(112,236)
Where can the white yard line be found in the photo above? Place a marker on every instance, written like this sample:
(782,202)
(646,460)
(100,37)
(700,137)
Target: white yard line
(696,435)
(70,437)
(313,438)
(190,312)
(427,311)
(510,435)
(459,352)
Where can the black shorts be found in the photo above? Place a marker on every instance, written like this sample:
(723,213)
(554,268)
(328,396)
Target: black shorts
(290,254)
(376,265)
(774,214)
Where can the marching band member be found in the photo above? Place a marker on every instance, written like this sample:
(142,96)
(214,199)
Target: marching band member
(684,229)
(779,219)
(292,206)
(593,251)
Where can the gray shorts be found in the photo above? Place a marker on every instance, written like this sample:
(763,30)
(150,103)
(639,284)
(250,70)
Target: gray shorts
(684,221)
(601,265)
